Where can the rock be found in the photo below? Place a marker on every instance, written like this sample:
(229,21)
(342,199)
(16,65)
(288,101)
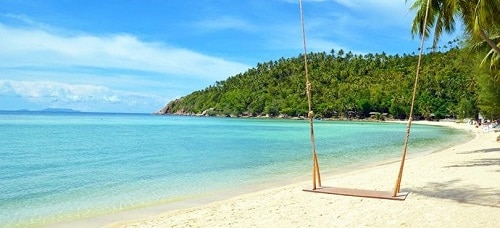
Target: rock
(208,112)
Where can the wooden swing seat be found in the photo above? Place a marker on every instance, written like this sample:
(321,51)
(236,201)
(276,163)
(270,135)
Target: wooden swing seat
(396,195)
(359,193)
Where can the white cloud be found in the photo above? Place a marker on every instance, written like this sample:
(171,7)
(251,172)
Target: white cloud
(375,5)
(35,47)
(84,97)
(225,23)
(55,91)
(112,99)
(377,13)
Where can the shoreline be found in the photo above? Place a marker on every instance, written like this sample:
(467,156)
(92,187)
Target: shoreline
(163,215)
(452,187)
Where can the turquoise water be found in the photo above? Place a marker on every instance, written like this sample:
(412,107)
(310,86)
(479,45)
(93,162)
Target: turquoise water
(61,166)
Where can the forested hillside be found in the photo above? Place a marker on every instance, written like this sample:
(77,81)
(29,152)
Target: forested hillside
(344,85)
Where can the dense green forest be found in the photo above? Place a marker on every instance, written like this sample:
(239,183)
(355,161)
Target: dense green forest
(347,85)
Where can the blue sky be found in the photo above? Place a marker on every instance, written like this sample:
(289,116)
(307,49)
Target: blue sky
(136,55)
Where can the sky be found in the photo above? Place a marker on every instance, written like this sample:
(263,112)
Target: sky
(134,56)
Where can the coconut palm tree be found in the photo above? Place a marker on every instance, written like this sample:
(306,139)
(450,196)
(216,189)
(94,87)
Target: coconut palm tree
(481,20)
(441,17)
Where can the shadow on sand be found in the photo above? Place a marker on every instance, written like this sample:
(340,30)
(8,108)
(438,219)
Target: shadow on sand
(481,161)
(489,150)
(478,162)
(467,194)
(461,192)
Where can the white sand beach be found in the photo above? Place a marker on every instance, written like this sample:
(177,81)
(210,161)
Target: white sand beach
(456,187)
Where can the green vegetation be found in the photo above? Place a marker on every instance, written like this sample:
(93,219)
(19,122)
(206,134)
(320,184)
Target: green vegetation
(345,85)
(481,27)
(456,83)
(480,18)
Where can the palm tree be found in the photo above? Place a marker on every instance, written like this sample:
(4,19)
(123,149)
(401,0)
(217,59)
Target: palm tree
(440,17)
(481,20)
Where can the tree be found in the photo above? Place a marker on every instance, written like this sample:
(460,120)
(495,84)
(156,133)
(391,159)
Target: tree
(481,20)
(345,86)
(489,94)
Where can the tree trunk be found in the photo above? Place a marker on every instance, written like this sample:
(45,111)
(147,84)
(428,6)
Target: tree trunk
(489,41)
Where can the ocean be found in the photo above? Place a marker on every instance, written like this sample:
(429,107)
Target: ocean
(58,167)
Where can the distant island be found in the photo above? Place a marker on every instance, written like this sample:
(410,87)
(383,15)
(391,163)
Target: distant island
(58,110)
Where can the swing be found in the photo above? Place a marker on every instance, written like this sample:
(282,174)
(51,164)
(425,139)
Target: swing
(316,178)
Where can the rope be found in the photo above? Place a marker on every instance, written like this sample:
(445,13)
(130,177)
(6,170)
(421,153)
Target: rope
(310,115)
(397,187)
(316,174)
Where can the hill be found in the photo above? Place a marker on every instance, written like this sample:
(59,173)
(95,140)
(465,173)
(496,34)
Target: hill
(344,85)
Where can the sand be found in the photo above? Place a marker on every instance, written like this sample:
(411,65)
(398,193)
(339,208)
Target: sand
(456,187)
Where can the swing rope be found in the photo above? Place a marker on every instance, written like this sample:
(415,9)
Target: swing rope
(310,114)
(316,173)
(397,187)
